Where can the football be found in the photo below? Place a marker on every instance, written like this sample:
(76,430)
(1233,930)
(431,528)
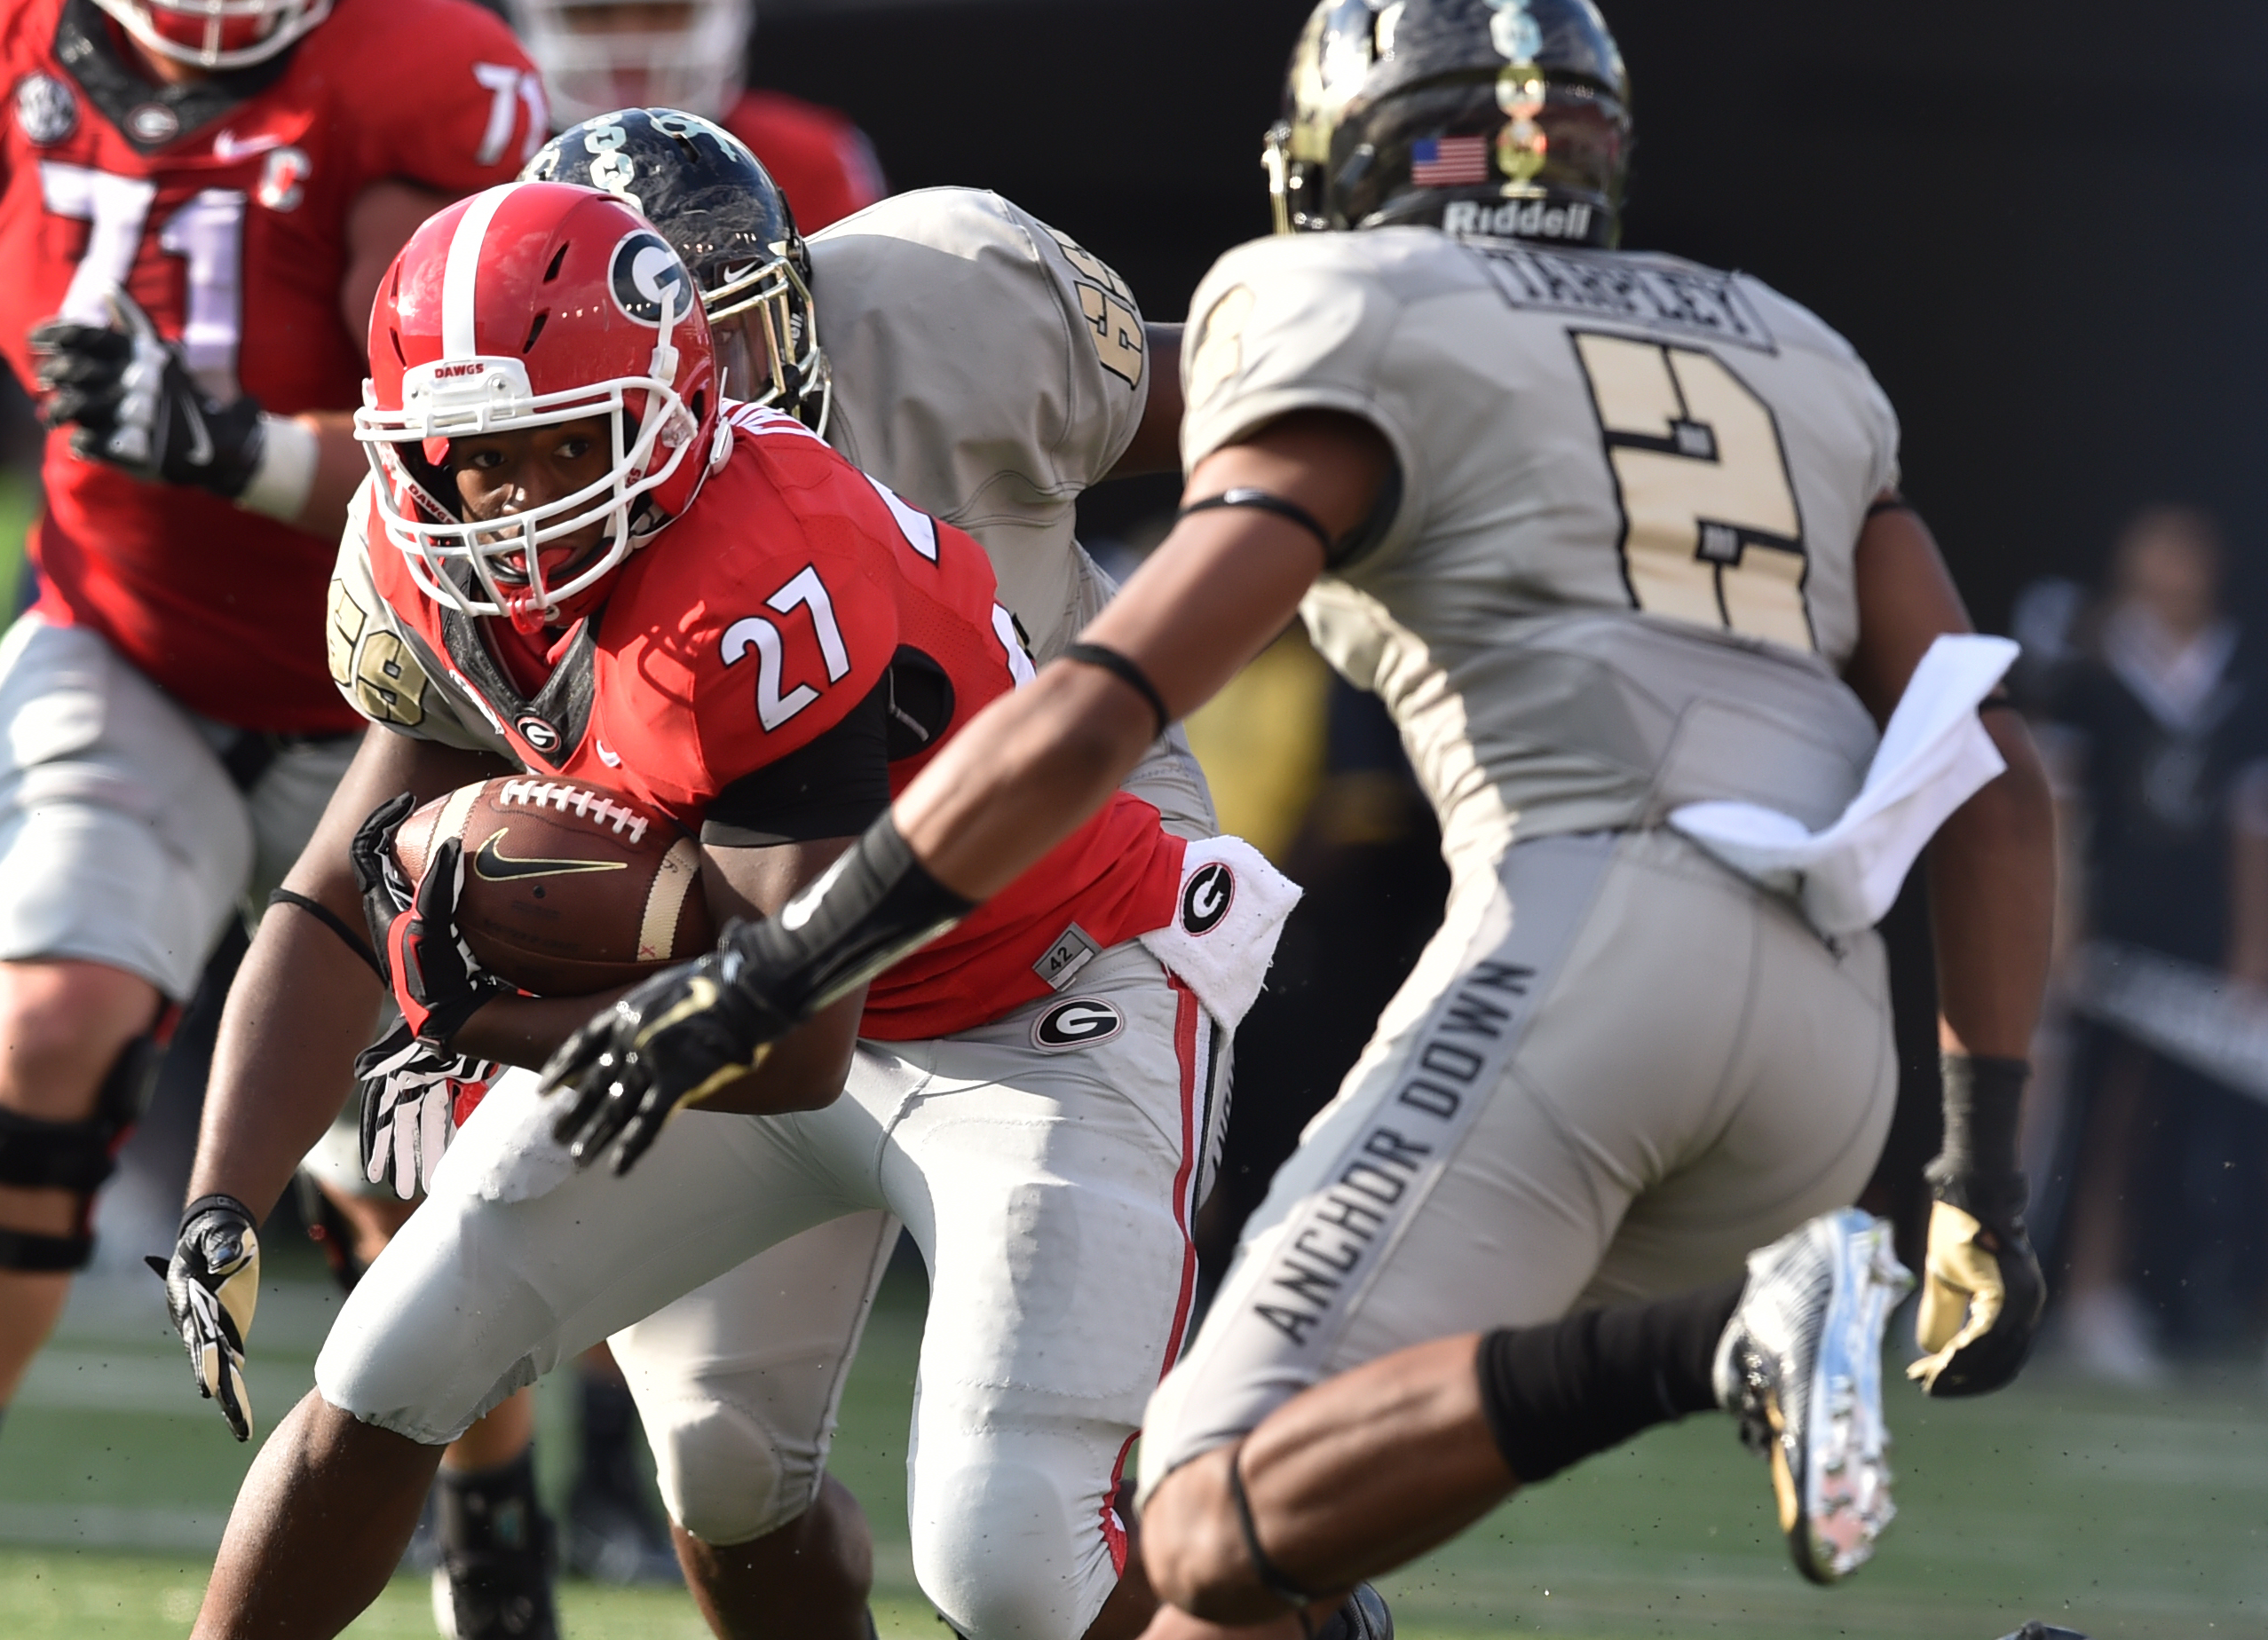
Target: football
(568,890)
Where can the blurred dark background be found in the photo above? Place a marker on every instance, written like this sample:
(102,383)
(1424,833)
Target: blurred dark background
(2036,221)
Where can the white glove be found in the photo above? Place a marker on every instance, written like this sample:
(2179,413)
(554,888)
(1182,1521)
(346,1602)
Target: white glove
(415,1096)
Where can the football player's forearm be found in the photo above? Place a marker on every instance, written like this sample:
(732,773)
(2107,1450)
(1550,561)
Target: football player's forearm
(302,1006)
(1992,899)
(1024,776)
(340,466)
(805,1069)
(527,1031)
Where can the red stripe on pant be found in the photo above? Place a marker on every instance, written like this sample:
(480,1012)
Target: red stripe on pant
(1189,1023)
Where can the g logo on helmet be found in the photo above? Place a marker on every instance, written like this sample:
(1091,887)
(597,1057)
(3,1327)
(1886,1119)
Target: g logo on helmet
(645,274)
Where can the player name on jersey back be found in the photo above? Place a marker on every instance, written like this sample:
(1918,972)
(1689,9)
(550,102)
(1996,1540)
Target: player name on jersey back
(1658,293)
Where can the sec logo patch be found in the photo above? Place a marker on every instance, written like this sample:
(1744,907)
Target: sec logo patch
(1207,897)
(1077,1022)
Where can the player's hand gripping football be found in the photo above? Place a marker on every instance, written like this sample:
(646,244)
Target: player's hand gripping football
(438,983)
(415,1098)
(1981,1287)
(676,1037)
(127,396)
(211,1284)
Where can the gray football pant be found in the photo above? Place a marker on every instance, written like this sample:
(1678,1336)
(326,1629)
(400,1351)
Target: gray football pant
(1616,1069)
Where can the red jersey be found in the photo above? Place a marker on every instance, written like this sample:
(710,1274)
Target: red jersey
(751,627)
(221,206)
(822,162)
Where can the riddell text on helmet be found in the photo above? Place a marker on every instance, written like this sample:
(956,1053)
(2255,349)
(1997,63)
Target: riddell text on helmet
(1526,218)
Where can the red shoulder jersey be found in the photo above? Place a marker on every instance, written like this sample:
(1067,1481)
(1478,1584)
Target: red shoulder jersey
(821,160)
(222,207)
(754,624)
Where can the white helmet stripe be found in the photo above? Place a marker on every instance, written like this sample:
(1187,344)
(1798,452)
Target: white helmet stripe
(462,269)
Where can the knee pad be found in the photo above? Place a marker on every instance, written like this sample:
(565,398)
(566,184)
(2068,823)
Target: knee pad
(1004,1551)
(724,1477)
(73,1156)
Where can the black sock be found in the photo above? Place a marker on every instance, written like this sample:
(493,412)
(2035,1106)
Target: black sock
(490,1511)
(1557,1394)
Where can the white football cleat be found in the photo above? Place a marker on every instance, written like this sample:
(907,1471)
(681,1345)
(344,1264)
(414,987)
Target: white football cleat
(1800,1365)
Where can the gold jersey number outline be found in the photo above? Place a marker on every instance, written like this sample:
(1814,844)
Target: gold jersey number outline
(1711,534)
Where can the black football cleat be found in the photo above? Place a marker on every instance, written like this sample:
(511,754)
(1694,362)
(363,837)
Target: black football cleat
(1800,1365)
(2038,1630)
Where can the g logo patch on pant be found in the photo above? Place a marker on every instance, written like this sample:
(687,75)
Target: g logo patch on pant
(1076,1022)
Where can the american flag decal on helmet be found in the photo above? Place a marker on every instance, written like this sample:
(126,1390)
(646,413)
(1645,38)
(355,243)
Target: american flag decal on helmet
(1449,161)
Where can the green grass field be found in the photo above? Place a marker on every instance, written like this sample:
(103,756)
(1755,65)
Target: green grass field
(2126,1515)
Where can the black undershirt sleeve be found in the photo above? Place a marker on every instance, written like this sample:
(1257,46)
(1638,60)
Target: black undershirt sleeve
(836,785)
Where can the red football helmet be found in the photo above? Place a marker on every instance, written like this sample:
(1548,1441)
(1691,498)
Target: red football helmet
(217,33)
(528,305)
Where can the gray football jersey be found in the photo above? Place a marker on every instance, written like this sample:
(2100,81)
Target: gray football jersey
(1617,576)
(986,368)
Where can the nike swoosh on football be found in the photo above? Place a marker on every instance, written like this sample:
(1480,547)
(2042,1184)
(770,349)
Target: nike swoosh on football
(228,147)
(496,866)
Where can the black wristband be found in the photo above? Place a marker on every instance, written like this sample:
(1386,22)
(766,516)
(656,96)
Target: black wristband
(1270,1575)
(207,1203)
(874,905)
(1984,1099)
(1124,669)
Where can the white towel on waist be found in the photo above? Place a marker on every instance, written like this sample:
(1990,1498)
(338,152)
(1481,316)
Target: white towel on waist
(1933,757)
(1231,909)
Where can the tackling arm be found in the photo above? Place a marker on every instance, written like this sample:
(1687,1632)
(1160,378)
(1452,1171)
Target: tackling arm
(1026,772)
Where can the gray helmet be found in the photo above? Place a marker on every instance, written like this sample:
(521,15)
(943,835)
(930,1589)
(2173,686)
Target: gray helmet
(1509,117)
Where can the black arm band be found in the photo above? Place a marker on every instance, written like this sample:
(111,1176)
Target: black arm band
(874,905)
(1263,501)
(1984,1098)
(331,919)
(1270,1575)
(1890,503)
(1123,669)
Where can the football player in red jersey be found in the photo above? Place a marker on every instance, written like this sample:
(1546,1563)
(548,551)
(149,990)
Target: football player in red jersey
(196,202)
(599,55)
(574,563)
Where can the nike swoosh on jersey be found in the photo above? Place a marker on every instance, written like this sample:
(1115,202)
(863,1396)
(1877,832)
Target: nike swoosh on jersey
(493,864)
(228,146)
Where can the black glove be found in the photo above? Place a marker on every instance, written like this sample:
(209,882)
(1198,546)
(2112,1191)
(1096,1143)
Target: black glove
(211,1285)
(438,983)
(415,1097)
(677,1036)
(1982,1291)
(132,404)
